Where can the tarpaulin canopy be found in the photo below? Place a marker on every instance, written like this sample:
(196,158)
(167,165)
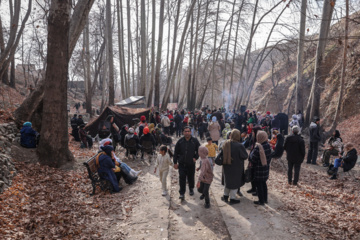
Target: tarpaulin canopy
(132,102)
(122,116)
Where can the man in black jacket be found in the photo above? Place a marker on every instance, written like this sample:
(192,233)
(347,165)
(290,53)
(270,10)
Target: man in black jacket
(315,138)
(295,154)
(185,156)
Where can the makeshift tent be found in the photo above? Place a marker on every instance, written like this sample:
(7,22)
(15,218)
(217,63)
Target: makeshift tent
(122,116)
(132,102)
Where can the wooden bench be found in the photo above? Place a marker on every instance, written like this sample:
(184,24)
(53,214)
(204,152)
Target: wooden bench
(96,180)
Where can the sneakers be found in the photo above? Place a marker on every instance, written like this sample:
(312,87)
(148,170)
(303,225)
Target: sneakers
(202,197)
(182,197)
(234,201)
(138,172)
(225,198)
(164,193)
(191,192)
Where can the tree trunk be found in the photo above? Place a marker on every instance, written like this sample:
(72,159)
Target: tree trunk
(12,73)
(213,67)
(158,55)
(121,51)
(320,51)
(343,72)
(143,50)
(150,96)
(172,79)
(5,76)
(110,54)
(188,96)
(53,147)
(88,94)
(300,60)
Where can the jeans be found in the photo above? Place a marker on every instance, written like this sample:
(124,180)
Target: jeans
(296,167)
(163,176)
(337,162)
(328,153)
(262,191)
(313,152)
(204,190)
(178,130)
(125,168)
(186,172)
(230,192)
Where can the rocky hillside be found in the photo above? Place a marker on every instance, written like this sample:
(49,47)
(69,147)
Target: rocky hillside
(274,91)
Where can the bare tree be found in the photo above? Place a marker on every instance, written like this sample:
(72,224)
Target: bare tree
(110,53)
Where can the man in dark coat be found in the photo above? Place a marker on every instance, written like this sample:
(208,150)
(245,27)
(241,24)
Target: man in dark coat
(295,154)
(185,156)
(315,138)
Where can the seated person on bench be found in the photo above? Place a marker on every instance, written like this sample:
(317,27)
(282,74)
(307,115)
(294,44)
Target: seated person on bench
(130,174)
(147,137)
(29,137)
(131,142)
(347,161)
(106,167)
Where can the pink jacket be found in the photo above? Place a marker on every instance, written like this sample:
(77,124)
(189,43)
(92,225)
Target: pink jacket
(206,173)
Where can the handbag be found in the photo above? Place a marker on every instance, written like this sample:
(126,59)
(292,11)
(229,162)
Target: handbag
(249,175)
(219,159)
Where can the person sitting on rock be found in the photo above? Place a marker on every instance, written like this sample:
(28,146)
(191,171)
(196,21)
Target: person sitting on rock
(29,137)
(333,149)
(347,161)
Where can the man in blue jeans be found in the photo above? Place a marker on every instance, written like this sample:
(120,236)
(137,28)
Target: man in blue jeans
(315,138)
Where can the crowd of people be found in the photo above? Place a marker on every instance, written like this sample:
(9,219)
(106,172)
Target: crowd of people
(231,138)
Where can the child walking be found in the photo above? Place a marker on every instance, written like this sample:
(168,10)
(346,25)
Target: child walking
(206,176)
(163,161)
(212,148)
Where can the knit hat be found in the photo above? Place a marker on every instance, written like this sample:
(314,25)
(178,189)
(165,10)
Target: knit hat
(143,118)
(107,149)
(203,152)
(27,124)
(131,130)
(146,130)
(295,129)
(268,112)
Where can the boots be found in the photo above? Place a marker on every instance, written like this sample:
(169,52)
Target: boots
(334,176)
(225,198)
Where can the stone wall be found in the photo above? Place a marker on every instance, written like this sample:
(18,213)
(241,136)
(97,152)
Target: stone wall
(8,134)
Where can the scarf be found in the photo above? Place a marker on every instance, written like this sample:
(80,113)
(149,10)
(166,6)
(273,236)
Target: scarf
(235,137)
(261,137)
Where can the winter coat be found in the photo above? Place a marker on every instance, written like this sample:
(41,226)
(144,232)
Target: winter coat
(275,123)
(261,173)
(214,129)
(314,132)
(279,147)
(336,143)
(185,151)
(349,160)
(28,137)
(206,173)
(123,133)
(148,138)
(234,173)
(295,149)
(165,121)
(106,171)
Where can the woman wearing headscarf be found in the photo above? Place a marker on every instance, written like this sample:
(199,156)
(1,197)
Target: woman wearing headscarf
(260,161)
(106,167)
(333,149)
(234,155)
(214,130)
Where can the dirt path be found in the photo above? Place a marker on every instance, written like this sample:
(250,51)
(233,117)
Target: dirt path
(158,217)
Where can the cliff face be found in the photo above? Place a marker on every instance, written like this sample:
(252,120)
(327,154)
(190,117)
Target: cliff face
(280,97)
